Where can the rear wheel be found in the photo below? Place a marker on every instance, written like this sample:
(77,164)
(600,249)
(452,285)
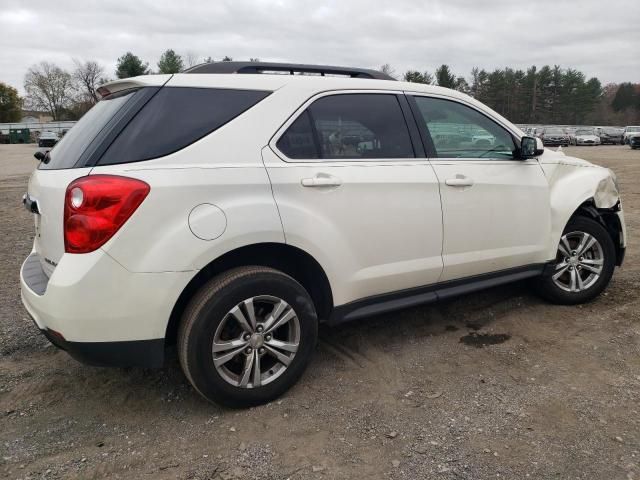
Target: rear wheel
(584,264)
(247,336)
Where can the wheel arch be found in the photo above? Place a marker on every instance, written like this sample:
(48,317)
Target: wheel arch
(291,260)
(608,218)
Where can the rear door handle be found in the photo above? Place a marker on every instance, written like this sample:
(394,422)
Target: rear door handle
(459,181)
(321,180)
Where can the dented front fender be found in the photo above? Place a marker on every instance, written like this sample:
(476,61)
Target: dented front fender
(572,183)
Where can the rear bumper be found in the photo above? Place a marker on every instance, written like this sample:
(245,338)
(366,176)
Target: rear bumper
(98,311)
(136,353)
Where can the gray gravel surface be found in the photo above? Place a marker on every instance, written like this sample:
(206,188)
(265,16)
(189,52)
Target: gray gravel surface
(408,395)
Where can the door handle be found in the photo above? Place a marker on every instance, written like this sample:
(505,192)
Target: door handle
(459,181)
(321,180)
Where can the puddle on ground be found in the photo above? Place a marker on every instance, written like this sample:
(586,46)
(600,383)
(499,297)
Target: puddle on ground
(480,340)
(473,325)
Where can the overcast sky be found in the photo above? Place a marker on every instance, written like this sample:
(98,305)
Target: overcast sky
(601,39)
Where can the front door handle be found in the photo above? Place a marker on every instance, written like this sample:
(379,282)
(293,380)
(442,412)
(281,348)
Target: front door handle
(459,181)
(321,180)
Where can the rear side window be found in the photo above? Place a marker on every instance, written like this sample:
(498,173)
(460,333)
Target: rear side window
(349,126)
(176,117)
(68,150)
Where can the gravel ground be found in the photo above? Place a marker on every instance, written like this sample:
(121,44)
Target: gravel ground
(406,395)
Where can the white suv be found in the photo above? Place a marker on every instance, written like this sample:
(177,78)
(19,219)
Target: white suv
(231,211)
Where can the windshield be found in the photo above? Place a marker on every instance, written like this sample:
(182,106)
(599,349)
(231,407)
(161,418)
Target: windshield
(633,129)
(554,131)
(584,132)
(68,150)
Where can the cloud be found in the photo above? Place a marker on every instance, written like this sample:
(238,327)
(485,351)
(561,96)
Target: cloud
(588,35)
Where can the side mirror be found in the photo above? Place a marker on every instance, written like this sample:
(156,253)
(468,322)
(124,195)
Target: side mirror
(39,156)
(528,147)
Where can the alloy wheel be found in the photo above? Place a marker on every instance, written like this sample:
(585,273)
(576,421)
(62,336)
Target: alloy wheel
(580,261)
(256,341)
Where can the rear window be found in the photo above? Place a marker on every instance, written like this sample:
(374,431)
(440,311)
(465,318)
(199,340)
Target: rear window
(176,117)
(68,150)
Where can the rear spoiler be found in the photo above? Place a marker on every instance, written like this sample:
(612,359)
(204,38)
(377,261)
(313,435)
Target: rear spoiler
(133,82)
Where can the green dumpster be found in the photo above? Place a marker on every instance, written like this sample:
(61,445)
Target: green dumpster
(19,135)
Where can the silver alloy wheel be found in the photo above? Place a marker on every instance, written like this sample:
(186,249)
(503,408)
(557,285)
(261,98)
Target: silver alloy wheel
(256,341)
(580,262)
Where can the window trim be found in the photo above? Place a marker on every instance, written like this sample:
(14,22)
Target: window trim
(418,153)
(427,140)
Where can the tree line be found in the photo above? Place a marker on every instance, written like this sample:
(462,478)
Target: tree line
(67,95)
(546,95)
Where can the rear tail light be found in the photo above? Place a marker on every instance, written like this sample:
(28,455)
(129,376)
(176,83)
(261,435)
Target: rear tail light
(96,206)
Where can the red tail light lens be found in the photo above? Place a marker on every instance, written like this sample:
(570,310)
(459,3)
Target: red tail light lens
(96,206)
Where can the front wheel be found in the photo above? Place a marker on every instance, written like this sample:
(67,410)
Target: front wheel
(584,264)
(247,336)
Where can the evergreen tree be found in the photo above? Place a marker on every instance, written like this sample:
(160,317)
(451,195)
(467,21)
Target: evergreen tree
(444,77)
(10,104)
(170,62)
(129,65)
(417,77)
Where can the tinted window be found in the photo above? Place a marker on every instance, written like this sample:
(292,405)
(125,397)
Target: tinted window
(360,126)
(298,142)
(176,117)
(68,150)
(459,131)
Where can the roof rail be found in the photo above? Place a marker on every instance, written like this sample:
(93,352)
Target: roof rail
(290,68)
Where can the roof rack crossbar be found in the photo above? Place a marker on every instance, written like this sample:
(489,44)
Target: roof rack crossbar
(291,68)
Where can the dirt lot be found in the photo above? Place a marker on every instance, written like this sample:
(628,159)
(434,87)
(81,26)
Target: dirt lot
(401,396)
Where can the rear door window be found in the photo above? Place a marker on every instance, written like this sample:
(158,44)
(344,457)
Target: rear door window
(176,117)
(349,126)
(298,141)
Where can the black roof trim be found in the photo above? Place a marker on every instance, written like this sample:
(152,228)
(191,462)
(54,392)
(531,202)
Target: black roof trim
(291,68)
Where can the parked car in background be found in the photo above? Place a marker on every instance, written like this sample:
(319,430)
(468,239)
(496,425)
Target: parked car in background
(47,139)
(609,135)
(634,141)
(571,132)
(231,214)
(629,131)
(554,136)
(586,136)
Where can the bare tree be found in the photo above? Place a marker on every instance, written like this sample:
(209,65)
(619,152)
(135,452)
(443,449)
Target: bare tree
(190,59)
(49,88)
(388,69)
(89,76)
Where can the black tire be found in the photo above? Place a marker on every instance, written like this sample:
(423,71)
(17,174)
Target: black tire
(548,289)
(207,310)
